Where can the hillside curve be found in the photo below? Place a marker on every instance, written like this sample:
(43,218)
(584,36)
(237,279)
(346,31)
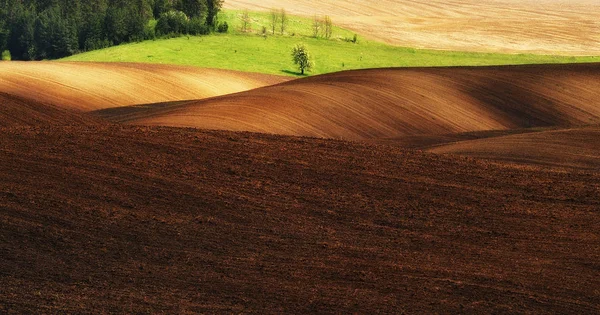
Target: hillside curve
(390,103)
(17,111)
(571,148)
(93,86)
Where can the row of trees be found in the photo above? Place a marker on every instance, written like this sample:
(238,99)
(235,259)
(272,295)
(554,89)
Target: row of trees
(279,20)
(49,29)
(322,27)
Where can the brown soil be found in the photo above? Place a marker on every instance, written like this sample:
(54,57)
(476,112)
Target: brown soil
(92,86)
(103,218)
(138,220)
(577,148)
(18,111)
(541,26)
(392,103)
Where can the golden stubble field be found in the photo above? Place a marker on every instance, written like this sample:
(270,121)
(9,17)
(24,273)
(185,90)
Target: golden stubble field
(545,26)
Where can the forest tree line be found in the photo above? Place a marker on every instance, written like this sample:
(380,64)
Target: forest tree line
(51,29)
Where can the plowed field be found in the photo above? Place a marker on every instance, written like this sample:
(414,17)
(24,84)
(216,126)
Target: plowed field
(578,148)
(146,220)
(91,86)
(388,103)
(106,217)
(18,111)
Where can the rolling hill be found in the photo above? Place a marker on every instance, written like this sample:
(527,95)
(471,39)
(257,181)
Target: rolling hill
(391,103)
(133,216)
(16,111)
(572,148)
(92,86)
(541,26)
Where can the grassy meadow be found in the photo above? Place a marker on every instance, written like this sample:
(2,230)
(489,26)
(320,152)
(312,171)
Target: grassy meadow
(266,53)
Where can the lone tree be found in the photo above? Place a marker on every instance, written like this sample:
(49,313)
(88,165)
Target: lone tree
(316,26)
(283,20)
(213,8)
(246,26)
(274,19)
(302,58)
(328,27)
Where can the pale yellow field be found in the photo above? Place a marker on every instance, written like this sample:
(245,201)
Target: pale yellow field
(542,26)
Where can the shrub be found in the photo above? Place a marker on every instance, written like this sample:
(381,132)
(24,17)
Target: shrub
(328,27)
(172,22)
(6,55)
(246,25)
(223,27)
(196,26)
(354,39)
(149,32)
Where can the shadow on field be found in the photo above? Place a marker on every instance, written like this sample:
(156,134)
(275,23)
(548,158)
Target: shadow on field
(521,105)
(298,74)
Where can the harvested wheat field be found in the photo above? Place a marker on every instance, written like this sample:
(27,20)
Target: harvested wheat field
(391,103)
(125,219)
(541,26)
(92,86)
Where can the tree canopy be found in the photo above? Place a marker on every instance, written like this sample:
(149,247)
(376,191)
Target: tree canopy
(50,29)
(302,58)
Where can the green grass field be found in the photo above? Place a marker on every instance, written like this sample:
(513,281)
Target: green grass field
(296,26)
(272,54)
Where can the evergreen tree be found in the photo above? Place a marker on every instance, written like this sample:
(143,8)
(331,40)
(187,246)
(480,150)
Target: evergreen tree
(21,41)
(115,25)
(47,29)
(194,8)
(91,35)
(213,8)
(4,34)
(55,35)
(160,7)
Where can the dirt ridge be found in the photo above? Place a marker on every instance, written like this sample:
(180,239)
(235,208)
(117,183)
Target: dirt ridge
(390,103)
(577,148)
(16,111)
(87,86)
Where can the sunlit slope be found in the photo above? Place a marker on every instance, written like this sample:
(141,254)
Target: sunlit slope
(547,26)
(16,111)
(92,86)
(388,103)
(576,148)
